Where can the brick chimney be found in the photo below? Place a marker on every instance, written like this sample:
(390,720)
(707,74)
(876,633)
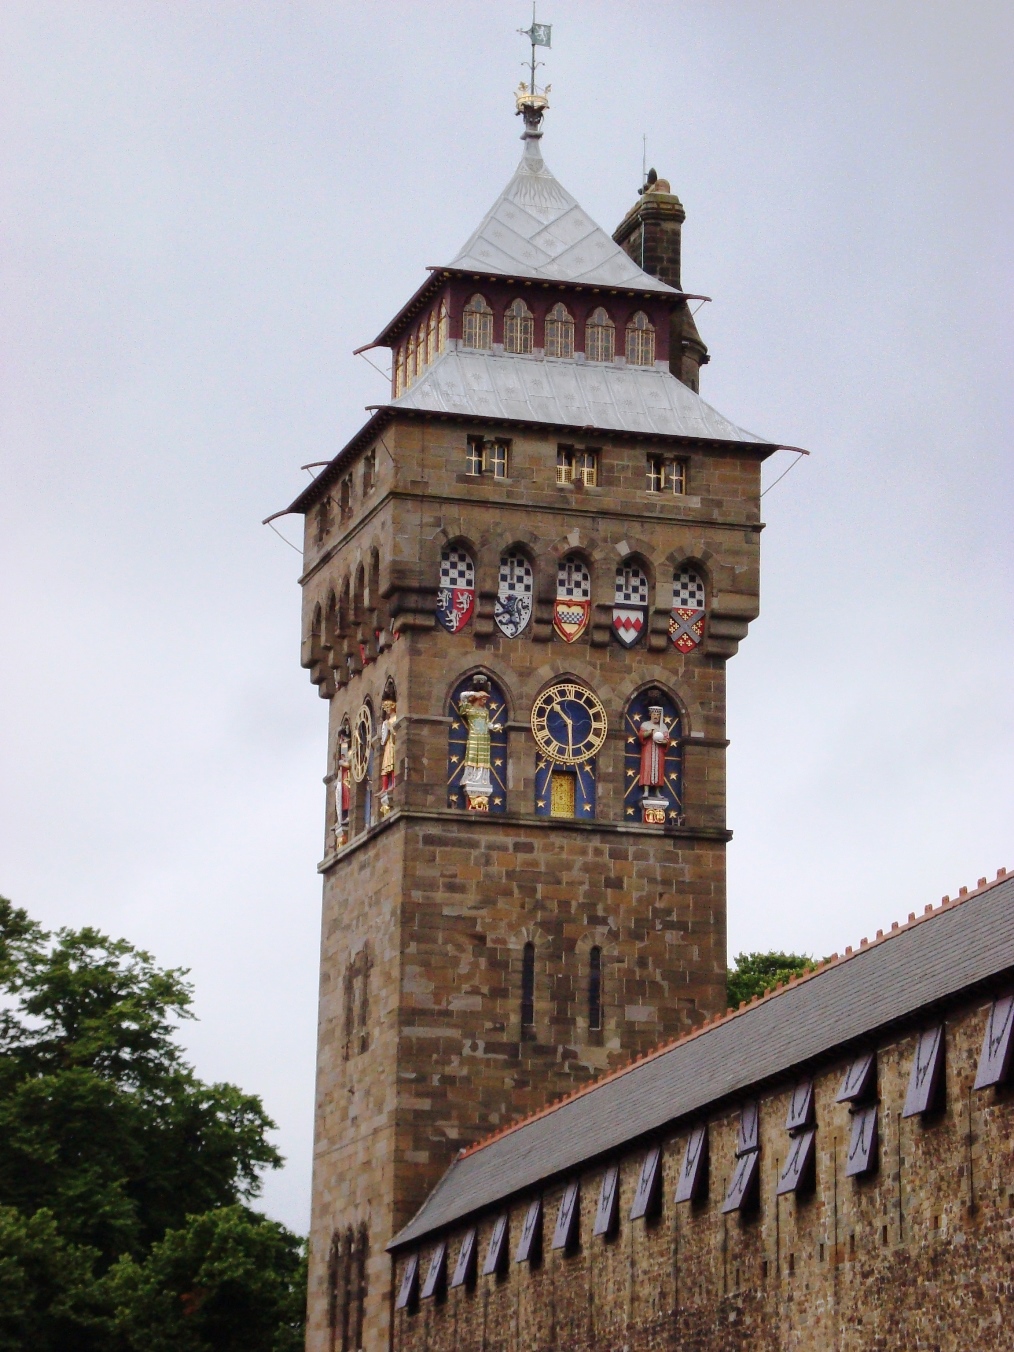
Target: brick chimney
(651,234)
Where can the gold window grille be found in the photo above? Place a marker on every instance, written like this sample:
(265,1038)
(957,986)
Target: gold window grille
(422,359)
(565,464)
(559,332)
(600,337)
(410,360)
(399,371)
(561,794)
(518,328)
(431,337)
(478,325)
(640,341)
(586,468)
(443,326)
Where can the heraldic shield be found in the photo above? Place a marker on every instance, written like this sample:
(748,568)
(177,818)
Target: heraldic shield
(573,599)
(513,608)
(456,594)
(686,622)
(630,604)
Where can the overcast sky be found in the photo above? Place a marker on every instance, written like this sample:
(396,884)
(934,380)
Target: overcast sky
(207,205)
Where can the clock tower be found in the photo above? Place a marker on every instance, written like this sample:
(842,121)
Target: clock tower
(523,578)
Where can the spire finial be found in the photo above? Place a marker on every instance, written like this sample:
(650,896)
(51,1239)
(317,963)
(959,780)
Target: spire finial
(532,102)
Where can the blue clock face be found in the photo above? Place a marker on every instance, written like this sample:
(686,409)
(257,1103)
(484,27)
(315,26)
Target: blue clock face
(568,723)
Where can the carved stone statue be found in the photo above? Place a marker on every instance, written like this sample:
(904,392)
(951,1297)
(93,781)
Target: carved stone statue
(475,775)
(655,738)
(388,747)
(342,792)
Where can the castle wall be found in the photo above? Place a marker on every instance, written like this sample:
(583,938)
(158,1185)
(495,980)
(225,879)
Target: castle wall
(916,1256)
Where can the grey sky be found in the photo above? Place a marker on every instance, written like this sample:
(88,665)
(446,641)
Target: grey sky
(206,206)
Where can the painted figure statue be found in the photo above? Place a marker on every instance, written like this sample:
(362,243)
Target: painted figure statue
(389,717)
(342,792)
(655,738)
(475,775)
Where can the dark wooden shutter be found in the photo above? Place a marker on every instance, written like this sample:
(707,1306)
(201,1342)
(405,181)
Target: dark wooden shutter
(863,1155)
(860,1079)
(464,1268)
(436,1275)
(749,1128)
(566,1232)
(608,1212)
(693,1184)
(496,1254)
(926,1080)
(409,1289)
(800,1114)
(994,1061)
(649,1183)
(798,1171)
(744,1188)
(530,1243)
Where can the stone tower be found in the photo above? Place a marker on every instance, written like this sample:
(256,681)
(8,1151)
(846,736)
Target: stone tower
(522,580)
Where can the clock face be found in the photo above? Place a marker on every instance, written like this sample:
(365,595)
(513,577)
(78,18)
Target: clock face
(362,736)
(568,723)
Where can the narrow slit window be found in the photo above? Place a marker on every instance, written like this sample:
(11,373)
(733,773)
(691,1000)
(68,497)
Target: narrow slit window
(600,337)
(559,332)
(640,341)
(528,987)
(595,990)
(518,328)
(478,325)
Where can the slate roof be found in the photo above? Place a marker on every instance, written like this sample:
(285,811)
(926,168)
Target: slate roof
(570,393)
(536,229)
(925,963)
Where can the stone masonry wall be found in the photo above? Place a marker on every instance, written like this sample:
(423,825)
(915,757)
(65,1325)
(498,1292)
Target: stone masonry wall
(440,902)
(916,1258)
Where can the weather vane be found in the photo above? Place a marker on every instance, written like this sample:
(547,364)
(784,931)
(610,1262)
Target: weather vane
(539,35)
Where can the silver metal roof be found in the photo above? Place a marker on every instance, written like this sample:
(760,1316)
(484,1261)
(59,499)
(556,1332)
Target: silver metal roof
(568,392)
(924,964)
(536,229)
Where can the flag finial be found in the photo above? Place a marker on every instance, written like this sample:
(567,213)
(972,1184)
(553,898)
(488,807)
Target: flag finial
(532,102)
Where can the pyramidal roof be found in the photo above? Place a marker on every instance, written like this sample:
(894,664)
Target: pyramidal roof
(536,229)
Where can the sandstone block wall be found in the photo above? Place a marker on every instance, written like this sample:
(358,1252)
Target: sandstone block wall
(916,1256)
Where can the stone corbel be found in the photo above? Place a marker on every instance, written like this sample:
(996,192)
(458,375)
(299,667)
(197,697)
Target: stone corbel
(728,622)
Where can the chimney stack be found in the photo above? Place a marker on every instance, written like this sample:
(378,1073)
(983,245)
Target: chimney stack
(651,234)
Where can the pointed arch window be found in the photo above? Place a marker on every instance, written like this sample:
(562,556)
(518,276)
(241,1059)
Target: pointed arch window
(443,326)
(400,384)
(595,990)
(640,341)
(528,990)
(600,337)
(559,332)
(422,359)
(410,360)
(518,327)
(477,330)
(431,337)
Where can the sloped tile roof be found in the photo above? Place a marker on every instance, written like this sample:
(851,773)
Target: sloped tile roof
(570,393)
(924,963)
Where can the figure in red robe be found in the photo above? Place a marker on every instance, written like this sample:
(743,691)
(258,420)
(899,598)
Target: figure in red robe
(655,738)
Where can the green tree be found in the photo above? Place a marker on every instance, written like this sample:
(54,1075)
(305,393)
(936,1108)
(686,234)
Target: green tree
(755,973)
(229,1281)
(108,1140)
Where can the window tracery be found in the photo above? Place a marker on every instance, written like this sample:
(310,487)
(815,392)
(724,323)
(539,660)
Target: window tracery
(559,332)
(477,328)
(518,328)
(640,341)
(600,337)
